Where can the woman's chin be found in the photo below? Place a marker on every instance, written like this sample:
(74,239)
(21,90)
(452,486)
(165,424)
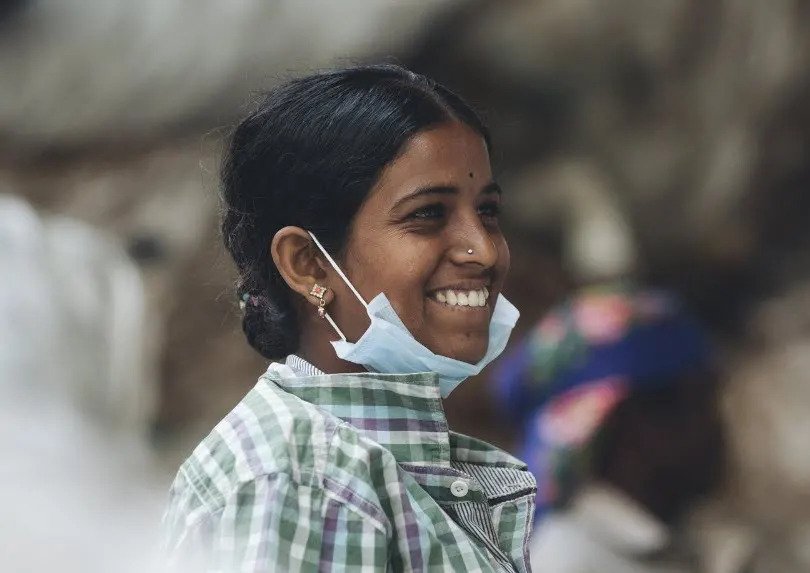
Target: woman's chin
(467,349)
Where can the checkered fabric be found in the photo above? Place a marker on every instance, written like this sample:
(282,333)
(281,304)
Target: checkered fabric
(347,472)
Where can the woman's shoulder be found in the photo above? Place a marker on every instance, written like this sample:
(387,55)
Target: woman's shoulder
(272,433)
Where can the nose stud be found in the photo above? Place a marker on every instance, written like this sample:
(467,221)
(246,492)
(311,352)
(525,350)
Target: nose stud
(469,251)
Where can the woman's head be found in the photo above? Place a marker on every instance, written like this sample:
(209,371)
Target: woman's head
(391,172)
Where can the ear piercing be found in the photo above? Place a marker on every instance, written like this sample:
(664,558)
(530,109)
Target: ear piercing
(319,292)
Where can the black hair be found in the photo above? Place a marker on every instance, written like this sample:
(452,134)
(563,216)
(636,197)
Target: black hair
(308,156)
(664,444)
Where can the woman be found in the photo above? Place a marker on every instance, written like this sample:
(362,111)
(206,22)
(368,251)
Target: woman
(361,212)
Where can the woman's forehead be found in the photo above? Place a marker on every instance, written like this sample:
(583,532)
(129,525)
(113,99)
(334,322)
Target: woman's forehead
(451,154)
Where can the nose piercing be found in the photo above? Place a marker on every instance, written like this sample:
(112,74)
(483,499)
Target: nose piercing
(469,251)
(318,292)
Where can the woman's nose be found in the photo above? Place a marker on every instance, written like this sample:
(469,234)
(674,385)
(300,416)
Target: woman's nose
(474,245)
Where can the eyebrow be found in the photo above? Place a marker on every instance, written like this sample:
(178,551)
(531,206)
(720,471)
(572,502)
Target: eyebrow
(489,189)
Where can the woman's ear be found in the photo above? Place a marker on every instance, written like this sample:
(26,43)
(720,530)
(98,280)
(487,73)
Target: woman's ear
(296,259)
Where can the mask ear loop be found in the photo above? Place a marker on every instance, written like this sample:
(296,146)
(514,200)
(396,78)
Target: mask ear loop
(335,326)
(342,276)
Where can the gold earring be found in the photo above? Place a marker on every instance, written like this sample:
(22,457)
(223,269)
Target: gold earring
(319,292)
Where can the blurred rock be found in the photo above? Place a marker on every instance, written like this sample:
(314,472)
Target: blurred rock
(576,197)
(766,407)
(83,72)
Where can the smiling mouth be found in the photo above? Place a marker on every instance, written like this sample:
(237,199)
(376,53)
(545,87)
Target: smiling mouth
(474,298)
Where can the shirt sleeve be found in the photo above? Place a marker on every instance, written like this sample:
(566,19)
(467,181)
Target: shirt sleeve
(274,524)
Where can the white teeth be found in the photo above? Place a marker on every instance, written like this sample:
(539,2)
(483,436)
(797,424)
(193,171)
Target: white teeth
(472,298)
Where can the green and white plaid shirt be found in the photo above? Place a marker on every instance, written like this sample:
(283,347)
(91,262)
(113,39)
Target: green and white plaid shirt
(347,472)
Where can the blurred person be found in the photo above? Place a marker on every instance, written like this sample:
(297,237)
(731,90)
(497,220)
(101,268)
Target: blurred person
(617,391)
(78,481)
(362,215)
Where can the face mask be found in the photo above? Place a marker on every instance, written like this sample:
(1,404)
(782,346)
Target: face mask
(388,347)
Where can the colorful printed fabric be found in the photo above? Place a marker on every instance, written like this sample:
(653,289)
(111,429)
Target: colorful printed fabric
(348,472)
(580,361)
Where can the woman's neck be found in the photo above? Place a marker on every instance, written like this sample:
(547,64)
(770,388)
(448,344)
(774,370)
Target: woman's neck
(315,347)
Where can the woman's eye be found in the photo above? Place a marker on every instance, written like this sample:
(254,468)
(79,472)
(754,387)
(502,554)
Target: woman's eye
(428,212)
(490,210)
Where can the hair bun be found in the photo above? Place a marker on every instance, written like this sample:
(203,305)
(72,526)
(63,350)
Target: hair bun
(272,331)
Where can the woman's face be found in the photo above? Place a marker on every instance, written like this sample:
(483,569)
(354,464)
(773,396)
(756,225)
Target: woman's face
(412,237)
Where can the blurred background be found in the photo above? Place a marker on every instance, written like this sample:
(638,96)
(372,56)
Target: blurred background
(666,140)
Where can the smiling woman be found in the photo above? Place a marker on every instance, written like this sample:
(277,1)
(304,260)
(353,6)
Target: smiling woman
(361,212)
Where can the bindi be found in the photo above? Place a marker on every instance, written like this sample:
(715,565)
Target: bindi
(471,175)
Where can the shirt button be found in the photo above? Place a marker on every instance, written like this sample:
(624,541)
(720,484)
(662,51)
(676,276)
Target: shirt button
(459,488)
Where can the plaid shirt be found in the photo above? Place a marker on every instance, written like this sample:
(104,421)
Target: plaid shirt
(348,472)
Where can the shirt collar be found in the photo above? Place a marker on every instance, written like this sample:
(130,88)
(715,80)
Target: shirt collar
(619,521)
(401,412)
(301,367)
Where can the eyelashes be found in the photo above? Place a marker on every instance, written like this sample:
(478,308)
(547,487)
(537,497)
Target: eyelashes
(437,211)
(433,211)
(490,209)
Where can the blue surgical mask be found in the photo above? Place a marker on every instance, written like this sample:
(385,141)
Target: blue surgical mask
(388,347)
